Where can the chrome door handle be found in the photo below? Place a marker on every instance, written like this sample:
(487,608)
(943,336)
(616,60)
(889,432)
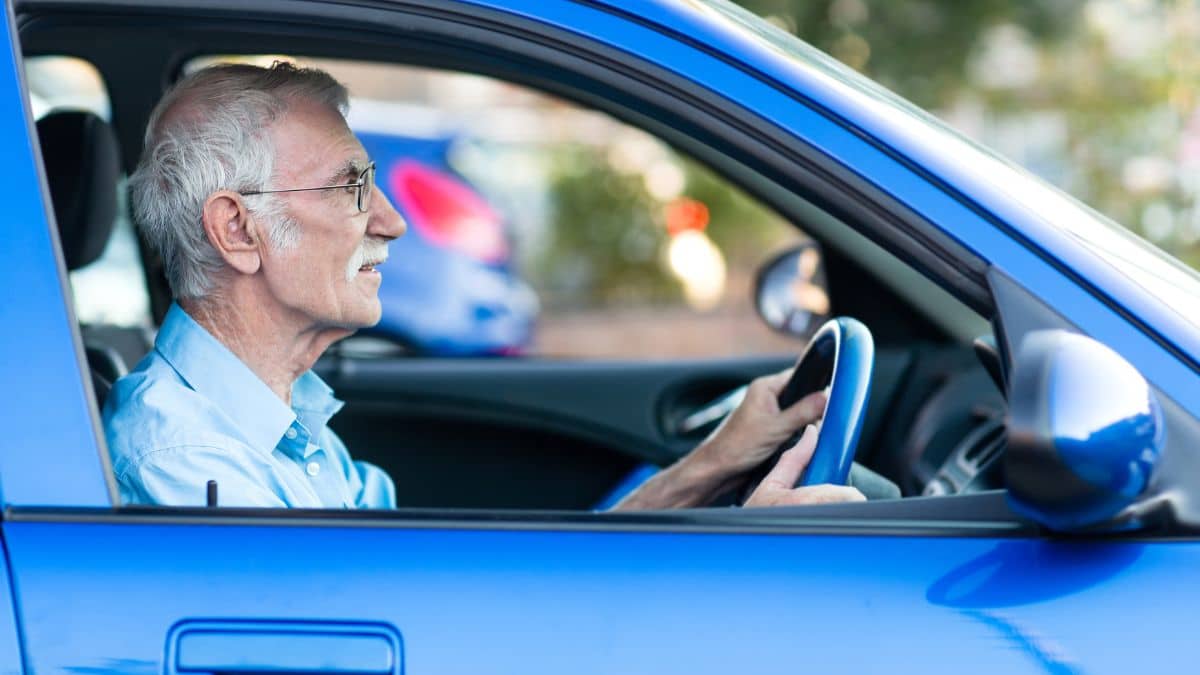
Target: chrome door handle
(231,647)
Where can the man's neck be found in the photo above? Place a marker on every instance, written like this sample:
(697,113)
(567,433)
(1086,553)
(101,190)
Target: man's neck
(265,337)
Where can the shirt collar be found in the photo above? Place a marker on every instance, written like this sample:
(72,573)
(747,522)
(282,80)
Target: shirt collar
(211,369)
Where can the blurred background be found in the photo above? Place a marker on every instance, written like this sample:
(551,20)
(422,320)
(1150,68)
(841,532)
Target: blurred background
(540,227)
(1099,97)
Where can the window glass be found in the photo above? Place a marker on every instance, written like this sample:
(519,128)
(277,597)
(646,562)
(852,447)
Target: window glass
(539,227)
(112,289)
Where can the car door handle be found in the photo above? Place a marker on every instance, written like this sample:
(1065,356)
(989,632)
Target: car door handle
(710,413)
(233,647)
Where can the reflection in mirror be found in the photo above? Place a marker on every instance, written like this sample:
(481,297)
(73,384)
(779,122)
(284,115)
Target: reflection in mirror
(1085,431)
(791,293)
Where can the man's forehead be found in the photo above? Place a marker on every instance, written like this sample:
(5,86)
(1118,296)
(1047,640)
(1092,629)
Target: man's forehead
(311,139)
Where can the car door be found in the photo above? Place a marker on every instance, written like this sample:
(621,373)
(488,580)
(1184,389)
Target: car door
(943,585)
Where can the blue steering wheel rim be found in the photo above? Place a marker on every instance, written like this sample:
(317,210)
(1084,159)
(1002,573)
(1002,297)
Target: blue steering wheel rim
(853,354)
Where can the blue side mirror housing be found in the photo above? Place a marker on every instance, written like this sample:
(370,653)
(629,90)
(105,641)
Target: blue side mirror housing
(1085,431)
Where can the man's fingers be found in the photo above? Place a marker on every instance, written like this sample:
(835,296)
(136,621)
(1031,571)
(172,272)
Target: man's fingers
(820,494)
(806,411)
(774,383)
(791,463)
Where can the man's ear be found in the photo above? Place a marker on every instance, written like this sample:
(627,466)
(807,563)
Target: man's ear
(232,231)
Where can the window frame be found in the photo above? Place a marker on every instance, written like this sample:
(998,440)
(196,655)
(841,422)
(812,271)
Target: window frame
(705,128)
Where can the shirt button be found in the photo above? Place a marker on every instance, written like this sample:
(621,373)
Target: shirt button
(313,468)
(290,433)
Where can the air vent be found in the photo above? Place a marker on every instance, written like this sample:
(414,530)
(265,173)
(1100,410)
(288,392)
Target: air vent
(972,464)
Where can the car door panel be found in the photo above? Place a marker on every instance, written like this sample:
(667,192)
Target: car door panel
(545,597)
(10,638)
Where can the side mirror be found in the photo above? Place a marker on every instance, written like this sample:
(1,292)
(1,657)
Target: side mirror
(1085,431)
(790,291)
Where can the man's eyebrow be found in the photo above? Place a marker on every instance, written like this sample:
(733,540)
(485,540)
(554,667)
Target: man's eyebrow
(347,172)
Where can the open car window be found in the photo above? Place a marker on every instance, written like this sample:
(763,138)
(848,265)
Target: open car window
(541,227)
(538,227)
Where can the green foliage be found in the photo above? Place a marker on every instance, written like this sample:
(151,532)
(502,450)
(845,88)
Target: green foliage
(918,48)
(1097,96)
(605,236)
(1049,83)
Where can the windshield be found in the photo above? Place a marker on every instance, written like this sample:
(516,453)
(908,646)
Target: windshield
(1158,273)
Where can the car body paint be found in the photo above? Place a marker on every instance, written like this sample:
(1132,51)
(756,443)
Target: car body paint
(101,591)
(475,600)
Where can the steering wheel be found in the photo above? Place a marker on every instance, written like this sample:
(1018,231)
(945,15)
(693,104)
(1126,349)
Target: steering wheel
(841,356)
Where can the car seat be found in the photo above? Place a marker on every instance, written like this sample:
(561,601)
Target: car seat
(83,167)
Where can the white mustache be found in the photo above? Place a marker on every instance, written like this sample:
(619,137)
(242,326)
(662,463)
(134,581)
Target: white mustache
(371,251)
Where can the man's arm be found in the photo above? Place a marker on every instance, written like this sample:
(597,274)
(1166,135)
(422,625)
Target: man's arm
(742,442)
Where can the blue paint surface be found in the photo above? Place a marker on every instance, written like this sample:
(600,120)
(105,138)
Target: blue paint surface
(47,420)
(104,598)
(591,602)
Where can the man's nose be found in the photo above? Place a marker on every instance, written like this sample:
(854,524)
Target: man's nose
(384,220)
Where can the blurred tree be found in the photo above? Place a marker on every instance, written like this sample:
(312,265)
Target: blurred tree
(918,48)
(605,236)
(745,230)
(1097,96)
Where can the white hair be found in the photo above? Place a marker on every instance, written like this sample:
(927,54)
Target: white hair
(210,132)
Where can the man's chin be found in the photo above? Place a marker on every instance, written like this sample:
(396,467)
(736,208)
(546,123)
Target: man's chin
(375,314)
(357,318)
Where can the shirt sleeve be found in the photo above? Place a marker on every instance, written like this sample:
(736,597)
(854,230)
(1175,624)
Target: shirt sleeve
(376,489)
(179,476)
(370,486)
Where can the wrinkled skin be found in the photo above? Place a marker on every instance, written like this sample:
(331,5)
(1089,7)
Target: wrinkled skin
(743,441)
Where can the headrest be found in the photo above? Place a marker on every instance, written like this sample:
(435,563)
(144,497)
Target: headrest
(82,165)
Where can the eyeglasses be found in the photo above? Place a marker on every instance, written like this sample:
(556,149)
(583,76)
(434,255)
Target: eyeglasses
(365,185)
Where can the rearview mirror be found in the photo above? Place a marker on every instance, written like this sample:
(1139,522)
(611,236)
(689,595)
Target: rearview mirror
(1085,431)
(790,291)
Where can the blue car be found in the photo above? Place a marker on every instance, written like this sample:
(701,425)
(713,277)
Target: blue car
(1022,369)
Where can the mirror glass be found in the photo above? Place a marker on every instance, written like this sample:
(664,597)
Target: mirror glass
(791,292)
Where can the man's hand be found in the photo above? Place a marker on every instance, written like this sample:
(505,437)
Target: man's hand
(776,487)
(755,429)
(746,439)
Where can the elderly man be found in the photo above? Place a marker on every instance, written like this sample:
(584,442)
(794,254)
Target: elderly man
(261,203)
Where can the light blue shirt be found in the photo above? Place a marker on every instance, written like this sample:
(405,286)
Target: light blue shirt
(192,412)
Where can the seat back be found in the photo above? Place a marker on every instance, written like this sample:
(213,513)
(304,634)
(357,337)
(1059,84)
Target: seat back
(83,168)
